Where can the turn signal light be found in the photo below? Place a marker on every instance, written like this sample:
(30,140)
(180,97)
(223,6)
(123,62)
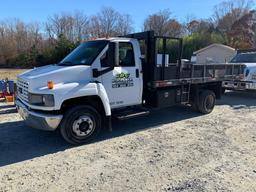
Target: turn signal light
(50,85)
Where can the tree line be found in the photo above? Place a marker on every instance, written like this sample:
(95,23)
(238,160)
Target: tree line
(23,44)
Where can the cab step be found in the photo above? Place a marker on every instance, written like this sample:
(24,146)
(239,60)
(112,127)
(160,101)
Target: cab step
(130,113)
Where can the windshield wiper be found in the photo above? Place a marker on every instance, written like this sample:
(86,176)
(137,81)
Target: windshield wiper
(66,63)
(69,63)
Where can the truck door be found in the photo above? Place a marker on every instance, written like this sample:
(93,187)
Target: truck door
(124,84)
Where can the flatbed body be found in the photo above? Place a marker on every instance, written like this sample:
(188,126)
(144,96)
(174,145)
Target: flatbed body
(171,74)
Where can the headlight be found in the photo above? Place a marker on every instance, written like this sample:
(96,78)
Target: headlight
(41,100)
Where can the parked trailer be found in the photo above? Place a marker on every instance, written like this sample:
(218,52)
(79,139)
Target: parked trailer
(120,77)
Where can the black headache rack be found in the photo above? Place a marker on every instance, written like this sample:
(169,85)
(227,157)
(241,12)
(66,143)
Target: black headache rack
(163,67)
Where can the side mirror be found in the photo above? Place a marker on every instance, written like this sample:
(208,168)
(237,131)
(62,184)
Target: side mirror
(113,59)
(95,73)
(113,54)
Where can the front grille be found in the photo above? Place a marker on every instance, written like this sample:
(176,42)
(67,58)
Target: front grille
(22,89)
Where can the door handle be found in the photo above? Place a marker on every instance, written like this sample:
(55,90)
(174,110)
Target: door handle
(137,73)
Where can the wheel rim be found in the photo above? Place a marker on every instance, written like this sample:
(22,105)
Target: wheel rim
(209,102)
(83,126)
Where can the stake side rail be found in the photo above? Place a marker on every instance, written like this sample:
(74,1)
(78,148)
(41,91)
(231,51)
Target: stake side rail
(203,73)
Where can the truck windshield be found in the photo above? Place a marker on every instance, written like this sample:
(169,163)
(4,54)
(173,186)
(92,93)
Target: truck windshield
(84,54)
(244,58)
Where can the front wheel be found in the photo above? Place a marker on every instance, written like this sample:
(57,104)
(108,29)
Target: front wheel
(80,124)
(206,102)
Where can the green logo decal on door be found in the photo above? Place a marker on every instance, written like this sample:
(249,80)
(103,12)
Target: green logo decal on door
(122,80)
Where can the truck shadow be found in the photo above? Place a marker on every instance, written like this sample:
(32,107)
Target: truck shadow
(155,119)
(239,100)
(19,143)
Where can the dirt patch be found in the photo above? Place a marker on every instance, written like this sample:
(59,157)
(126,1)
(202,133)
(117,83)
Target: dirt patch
(170,150)
(10,73)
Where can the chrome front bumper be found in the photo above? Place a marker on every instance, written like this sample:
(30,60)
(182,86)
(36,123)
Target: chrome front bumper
(38,120)
(239,85)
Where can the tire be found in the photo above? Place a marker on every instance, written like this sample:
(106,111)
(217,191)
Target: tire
(206,102)
(80,125)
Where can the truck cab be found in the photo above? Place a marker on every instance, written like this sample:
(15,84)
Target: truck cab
(104,74)
(120,77)
(248,58)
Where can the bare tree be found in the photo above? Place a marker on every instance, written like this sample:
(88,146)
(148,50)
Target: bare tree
(95,29)
(81,26)
(7,42)
(74,27)
(109,22)
(163,24)
(228,12)
(200,26)
(18,38)
(124,24)
(24,43)
(242,33)
(108,19)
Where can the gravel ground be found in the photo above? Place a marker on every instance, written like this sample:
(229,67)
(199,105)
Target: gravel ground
(170,150)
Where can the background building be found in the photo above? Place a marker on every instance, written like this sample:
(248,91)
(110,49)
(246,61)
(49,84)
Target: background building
(214,53)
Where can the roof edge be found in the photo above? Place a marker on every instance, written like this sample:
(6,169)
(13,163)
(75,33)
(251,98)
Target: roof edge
(212,45)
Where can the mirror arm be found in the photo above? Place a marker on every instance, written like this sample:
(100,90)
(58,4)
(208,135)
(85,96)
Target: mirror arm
(96,73)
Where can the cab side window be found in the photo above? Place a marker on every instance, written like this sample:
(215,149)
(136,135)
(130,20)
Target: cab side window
(126,55)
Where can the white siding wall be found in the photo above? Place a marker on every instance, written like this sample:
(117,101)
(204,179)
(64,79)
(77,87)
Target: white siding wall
(216,54)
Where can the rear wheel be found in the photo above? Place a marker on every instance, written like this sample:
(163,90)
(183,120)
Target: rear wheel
(80,124)
(206,102)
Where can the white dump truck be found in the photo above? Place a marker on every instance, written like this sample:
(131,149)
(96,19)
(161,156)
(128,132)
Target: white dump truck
(247,57)
(121,77)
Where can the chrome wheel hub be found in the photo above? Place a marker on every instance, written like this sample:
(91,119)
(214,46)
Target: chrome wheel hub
(83,126)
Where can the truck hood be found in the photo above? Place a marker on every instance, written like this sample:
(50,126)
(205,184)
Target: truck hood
(41,71)
(38,77)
